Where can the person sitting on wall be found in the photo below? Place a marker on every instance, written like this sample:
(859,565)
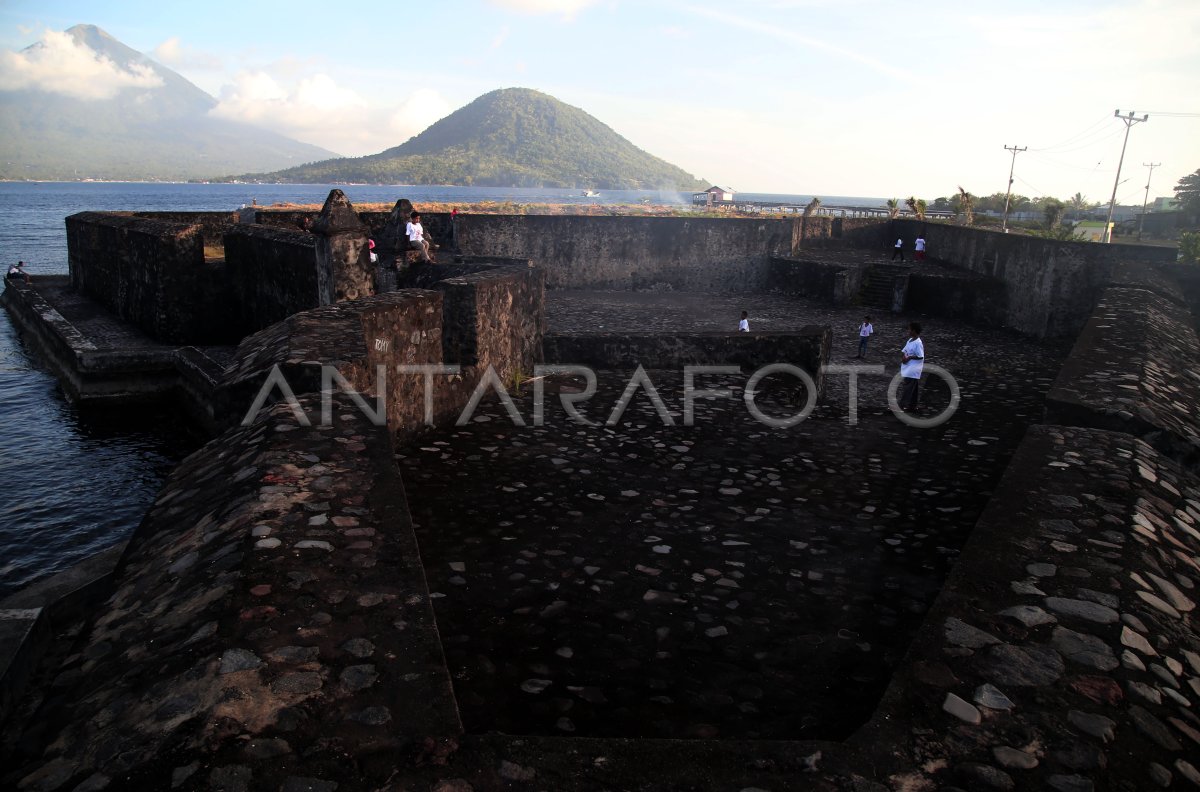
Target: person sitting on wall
(416,237)
(744,325)
(17,272)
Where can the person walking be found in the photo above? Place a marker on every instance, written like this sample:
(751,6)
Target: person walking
(912,361)
(920,248)
(864,335)
(898,250)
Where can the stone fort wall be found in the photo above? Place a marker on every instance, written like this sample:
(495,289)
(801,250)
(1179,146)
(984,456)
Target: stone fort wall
(1043,663)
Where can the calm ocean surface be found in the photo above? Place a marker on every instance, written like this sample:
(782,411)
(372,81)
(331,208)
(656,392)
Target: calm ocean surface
(76,481)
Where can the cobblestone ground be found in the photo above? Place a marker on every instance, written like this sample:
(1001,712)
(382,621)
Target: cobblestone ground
(724,579)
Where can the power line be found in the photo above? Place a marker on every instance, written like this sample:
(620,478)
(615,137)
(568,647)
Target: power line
(1089,143)
(1037,190)
(1102,120)
(1090,168)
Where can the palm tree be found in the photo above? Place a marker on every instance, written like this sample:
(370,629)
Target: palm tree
(1054,210)
(917,206)
(966,205)
(893,208)
(1078,202)
(812,207)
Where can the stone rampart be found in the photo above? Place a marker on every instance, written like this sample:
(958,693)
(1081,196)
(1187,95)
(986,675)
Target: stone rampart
(494,317)
(1135,368)
(401,328)
(831,281)
(275,594)
(488,319)
(213,225)
(273,274)
(584,252)
(961,296)
(151,273)
(1061,651)
(1052,285)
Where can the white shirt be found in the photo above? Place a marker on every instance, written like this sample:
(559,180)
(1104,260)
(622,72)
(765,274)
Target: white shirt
(912,369)
(866,329)
(900,242)
(744,326)
(15,270)
(415,232)
(920,243)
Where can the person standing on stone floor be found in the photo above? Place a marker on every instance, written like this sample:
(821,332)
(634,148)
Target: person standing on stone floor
(912,361)
(744,325)
(898,250)
(920,248)
(416,237)
(864,335)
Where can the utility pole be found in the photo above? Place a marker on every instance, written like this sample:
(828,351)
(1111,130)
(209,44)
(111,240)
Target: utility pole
(1129,121)
(1007,198)
(1146,200)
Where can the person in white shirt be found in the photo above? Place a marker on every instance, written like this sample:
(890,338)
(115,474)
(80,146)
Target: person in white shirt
(920,247)
(416,237)
(744,325)
(911,364)
(17,272)
(864,335)
(898,250)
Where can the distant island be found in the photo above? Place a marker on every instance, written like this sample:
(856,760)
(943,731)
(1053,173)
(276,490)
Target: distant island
(514,137)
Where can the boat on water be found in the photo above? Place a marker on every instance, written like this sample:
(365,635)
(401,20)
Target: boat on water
(590,194)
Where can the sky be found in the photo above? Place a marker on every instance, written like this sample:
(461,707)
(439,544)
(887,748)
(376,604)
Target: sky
(854,97)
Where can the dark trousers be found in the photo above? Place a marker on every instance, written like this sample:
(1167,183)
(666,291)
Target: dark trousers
(862,345)
(909,388)
(898,252)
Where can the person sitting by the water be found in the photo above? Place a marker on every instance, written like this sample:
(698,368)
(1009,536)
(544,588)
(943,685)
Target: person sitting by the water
(416,237)
(17,272)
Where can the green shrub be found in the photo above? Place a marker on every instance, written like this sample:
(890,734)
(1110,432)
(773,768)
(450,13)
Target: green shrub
(1189,247)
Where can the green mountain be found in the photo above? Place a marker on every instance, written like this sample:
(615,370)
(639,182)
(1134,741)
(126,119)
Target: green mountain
(159,132)
(513,137)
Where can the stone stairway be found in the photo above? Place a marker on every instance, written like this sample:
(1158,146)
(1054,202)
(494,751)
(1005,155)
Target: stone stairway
(877,289)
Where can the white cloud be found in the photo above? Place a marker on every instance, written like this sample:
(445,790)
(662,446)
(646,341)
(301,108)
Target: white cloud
(175,54)
(419,110)
(567,9)
(317,110)
(60,64)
